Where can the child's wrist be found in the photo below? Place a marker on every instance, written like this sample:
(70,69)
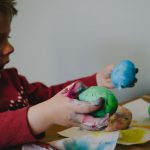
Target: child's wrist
(99,79)
(39,118)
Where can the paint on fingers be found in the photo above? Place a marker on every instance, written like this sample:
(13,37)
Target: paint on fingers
(92,123)
(76,118)
(74,90)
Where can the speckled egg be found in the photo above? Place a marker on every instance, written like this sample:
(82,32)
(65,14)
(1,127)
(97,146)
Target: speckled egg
(93,93)
(123,75)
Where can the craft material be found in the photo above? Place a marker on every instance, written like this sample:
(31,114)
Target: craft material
(123,75)
(94,93)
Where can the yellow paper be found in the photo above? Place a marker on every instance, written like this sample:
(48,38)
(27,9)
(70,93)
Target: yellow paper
(134,136)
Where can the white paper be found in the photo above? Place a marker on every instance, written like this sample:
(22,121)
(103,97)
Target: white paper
(34,147)
(139,109)
(74,132)
(90,141)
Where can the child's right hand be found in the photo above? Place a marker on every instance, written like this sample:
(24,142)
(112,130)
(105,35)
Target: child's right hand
(72,112)
(66,111)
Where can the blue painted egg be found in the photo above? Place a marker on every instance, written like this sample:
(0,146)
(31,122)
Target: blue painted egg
(123,75)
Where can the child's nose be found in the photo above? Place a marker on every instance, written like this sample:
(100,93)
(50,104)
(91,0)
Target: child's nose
(7,49)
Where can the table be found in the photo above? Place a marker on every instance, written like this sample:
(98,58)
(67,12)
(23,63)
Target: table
(52,135)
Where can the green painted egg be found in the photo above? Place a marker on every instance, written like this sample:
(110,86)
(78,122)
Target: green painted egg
(93,93)
(149,110)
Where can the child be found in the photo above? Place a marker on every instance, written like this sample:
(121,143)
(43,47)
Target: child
(29,109)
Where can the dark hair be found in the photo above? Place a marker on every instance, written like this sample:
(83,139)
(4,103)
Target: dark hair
(7,7)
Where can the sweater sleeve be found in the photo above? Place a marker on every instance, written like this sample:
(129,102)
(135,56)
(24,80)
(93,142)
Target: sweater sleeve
(38,92)
(15,129)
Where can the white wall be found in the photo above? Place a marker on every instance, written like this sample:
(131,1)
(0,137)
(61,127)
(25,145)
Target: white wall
(59,40)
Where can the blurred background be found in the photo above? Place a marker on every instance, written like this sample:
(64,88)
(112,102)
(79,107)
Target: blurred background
(60,40)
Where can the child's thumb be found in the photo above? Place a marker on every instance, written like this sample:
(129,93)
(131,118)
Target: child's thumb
(73,90)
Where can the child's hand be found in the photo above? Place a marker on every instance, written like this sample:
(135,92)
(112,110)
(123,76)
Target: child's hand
(72,112)
(104,77)
(64,109)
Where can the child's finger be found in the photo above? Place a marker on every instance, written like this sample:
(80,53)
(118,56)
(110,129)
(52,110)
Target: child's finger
(87,107)
(67,89)
(90,123)
(109,69)
(73,90)
(109,84)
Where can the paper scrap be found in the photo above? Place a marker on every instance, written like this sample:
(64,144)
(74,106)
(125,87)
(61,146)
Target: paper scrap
(91,141)
(139,109)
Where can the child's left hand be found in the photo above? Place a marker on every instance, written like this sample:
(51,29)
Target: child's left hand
(103,78)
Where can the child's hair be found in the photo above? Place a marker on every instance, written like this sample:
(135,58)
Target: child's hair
(7,7)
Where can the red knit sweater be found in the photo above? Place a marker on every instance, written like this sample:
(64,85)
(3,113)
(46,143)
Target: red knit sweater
(16,95)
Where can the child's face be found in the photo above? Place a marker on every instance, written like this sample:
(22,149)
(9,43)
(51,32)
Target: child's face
(5,47)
